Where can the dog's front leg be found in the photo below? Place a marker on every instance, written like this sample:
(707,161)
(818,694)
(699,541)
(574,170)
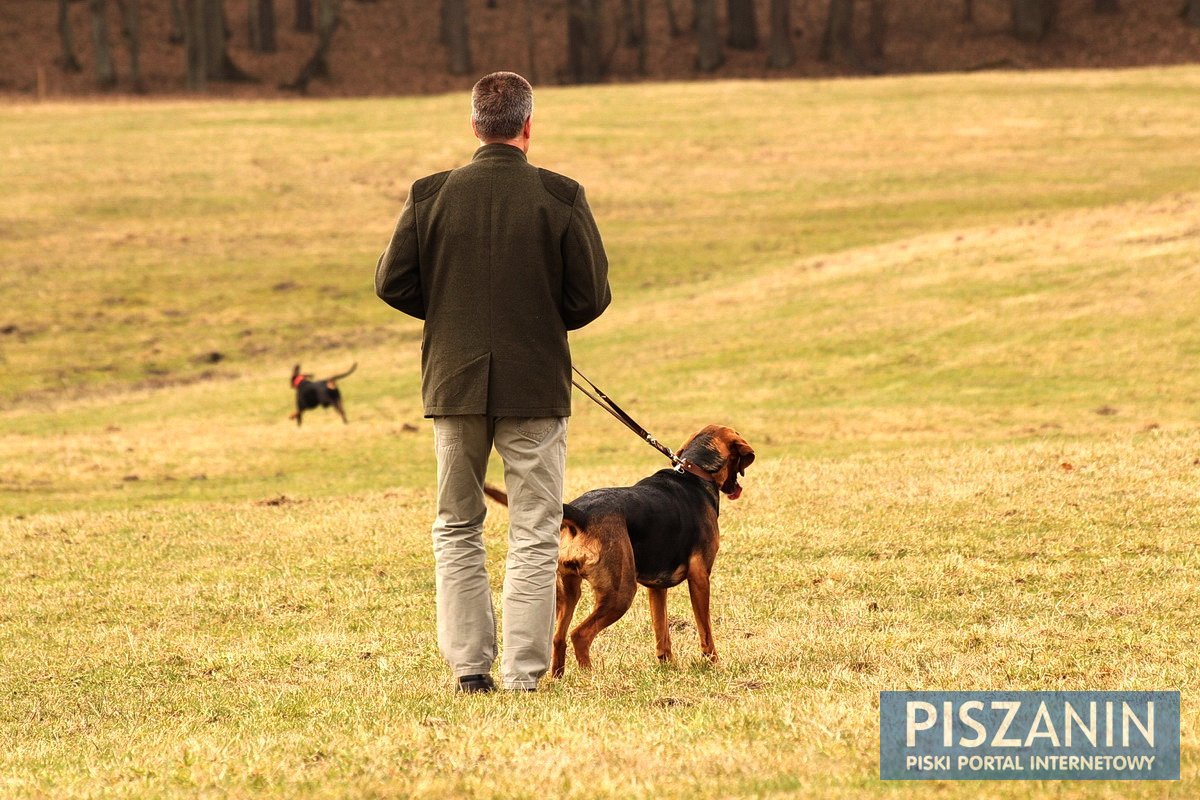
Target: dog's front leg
(698,589)
(658,618)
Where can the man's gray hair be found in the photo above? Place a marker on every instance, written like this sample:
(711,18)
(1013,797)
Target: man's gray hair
(500,104)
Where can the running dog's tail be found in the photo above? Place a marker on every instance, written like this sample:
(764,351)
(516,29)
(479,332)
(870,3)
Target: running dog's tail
(353,367)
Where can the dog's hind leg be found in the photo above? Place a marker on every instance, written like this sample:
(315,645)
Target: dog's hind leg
(567,591)
(614,581)
(658,618)
(611,604)
(338,406)
(698,588)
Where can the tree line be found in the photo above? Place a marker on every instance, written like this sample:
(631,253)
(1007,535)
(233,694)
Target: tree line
(201,28)
(594,30)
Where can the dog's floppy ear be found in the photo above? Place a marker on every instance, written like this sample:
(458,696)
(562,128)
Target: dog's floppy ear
(743,452)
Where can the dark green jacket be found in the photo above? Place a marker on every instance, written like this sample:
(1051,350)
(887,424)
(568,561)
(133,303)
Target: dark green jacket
(500,259)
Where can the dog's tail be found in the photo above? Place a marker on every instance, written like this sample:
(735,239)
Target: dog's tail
(353,367)
(499,495)
(573,518)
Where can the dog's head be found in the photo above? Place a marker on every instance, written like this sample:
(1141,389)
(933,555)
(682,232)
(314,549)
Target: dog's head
(298,377)
(723,452)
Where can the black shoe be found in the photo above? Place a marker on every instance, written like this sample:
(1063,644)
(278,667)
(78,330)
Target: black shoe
(476,683)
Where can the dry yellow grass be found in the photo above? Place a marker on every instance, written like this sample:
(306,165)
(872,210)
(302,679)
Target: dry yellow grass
(963,353)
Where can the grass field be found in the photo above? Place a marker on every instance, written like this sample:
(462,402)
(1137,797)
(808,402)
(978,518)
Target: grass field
(956,316)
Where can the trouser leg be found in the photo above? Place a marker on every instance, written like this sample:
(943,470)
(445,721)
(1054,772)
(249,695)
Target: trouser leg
(535,454)
(466,624)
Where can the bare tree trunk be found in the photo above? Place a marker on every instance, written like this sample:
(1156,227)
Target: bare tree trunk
(317,65)
(673,20)
(628,35)
(877,30)
(969,11)
(177,35)
(708,43)
(218,65)
(67,60)
(106,71)
(262,26)
(1108,7)
(584,61)
(131,30)
(329,19)
(839,30)
(532,42)
(639,24)
(1033,19)
(304,16)
(458,43)
(1191,13)
(743,27)
(194,44)
(214,40)
(781,53)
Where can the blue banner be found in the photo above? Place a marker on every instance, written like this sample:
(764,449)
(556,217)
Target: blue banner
(1029,736)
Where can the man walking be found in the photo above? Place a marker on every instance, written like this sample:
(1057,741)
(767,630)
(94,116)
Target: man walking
(500,259)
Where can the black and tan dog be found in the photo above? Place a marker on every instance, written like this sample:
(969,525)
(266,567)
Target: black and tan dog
(323,393)
(659,532)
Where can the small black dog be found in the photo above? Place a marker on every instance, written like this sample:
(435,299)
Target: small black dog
(323,393)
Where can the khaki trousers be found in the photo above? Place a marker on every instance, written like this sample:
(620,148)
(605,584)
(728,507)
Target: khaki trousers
(534,450)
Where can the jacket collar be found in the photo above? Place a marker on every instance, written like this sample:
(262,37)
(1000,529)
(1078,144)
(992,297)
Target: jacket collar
(498,151)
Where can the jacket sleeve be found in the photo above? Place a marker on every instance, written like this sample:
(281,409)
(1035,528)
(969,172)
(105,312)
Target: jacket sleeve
(398,273)
(585,268)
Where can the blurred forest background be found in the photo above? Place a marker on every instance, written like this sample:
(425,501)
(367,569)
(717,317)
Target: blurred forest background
(253,48)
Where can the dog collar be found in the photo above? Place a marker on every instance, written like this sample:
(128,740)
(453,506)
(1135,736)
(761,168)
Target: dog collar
(683,465)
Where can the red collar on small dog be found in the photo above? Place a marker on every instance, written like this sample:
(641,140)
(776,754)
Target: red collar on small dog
(299,379)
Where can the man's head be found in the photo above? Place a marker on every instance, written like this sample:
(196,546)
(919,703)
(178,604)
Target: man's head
(501,108)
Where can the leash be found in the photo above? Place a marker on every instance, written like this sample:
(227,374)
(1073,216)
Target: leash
(597,396)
